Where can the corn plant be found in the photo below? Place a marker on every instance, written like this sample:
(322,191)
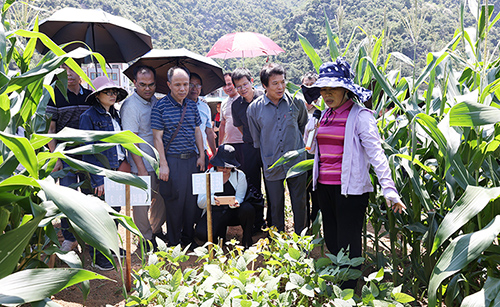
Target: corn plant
(30,199)
(440,131)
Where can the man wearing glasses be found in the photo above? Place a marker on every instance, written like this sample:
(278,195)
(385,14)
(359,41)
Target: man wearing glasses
(251,163)
(195,89)
(136,117)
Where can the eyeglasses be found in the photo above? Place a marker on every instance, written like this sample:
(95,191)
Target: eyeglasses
(246,84)
(111,92)
(197,86)
(144,85)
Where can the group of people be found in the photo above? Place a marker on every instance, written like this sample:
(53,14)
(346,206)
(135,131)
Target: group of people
(255,129)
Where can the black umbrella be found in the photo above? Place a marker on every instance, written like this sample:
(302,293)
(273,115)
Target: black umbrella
(118,39)
(161,60)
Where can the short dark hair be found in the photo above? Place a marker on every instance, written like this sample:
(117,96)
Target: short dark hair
(196,76)
(228,74)
(309,75)
(240,73)
(269,70)
(172,69)
(143,69)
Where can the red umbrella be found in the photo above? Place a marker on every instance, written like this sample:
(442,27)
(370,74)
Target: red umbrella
(243,45)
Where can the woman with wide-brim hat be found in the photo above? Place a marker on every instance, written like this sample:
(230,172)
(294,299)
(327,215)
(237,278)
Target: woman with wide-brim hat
(240,212)
(102,116)
(346,142)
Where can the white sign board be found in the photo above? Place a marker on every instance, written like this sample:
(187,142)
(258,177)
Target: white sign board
(114,193)
(200,183)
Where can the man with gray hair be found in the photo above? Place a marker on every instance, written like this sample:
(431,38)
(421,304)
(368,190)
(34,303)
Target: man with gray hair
(176,132)
(136,116)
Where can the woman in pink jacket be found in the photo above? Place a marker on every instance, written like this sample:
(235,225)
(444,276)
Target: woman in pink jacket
(346,143)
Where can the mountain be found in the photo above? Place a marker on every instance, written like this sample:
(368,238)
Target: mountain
(198,24)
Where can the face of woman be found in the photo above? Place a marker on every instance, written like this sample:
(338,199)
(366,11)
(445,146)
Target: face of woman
(224,170)
(107,98)
(334,96)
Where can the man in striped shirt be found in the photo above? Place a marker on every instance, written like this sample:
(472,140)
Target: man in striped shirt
(178,155)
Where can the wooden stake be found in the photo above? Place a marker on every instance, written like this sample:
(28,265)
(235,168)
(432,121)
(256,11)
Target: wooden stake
(128,244)
(209,218)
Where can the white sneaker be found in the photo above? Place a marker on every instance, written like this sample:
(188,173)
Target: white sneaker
(67,245)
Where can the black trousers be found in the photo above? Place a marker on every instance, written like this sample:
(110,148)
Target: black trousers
(276,196)
(180,204)
(343,219)
(251,165)
(224,216)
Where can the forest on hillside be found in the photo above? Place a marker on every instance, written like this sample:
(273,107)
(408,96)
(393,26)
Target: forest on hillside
(412,27)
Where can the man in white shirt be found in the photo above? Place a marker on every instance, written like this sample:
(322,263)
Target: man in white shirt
(136,117)
(228,133)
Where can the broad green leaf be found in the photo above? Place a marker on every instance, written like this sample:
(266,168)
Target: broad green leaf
(13,244)
(37,284)
(403,298)
(299,168)
(467,207)
(287,157)
(381,79)
(88,216)
(403,58)
(154,272)
(87,136)
(469,114)
(307,290)
(295,254)
(176,280)
(23,151)
(16,182)
(330,39)
(118,176)
(489,295)
(461,251)
(309,50)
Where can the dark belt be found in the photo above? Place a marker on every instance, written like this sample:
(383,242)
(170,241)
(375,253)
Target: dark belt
(183,156)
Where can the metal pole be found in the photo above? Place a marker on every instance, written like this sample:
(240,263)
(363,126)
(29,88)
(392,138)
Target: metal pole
(128,244)
(209,217)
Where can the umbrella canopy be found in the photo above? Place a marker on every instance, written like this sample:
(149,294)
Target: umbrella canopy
(162,60)
(118,39)
(243,45)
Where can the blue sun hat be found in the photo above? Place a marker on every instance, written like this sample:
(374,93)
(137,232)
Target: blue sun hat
(335,74)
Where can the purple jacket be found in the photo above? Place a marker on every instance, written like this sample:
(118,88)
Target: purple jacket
(362,147)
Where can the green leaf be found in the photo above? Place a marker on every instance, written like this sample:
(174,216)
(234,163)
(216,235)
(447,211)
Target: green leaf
(309,50)
(295,254)
(307,290)
(37,284)
(287,157)
(468,206)
(13,244)
(489,295)
(23,151)
(176,280)
(331,39)
(154,272)
(471,114)
(4,111)
(461,251)
(300,168)
(403,298)
(88,216)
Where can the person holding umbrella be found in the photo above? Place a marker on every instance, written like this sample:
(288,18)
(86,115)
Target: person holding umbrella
(177,137)
(346,143)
